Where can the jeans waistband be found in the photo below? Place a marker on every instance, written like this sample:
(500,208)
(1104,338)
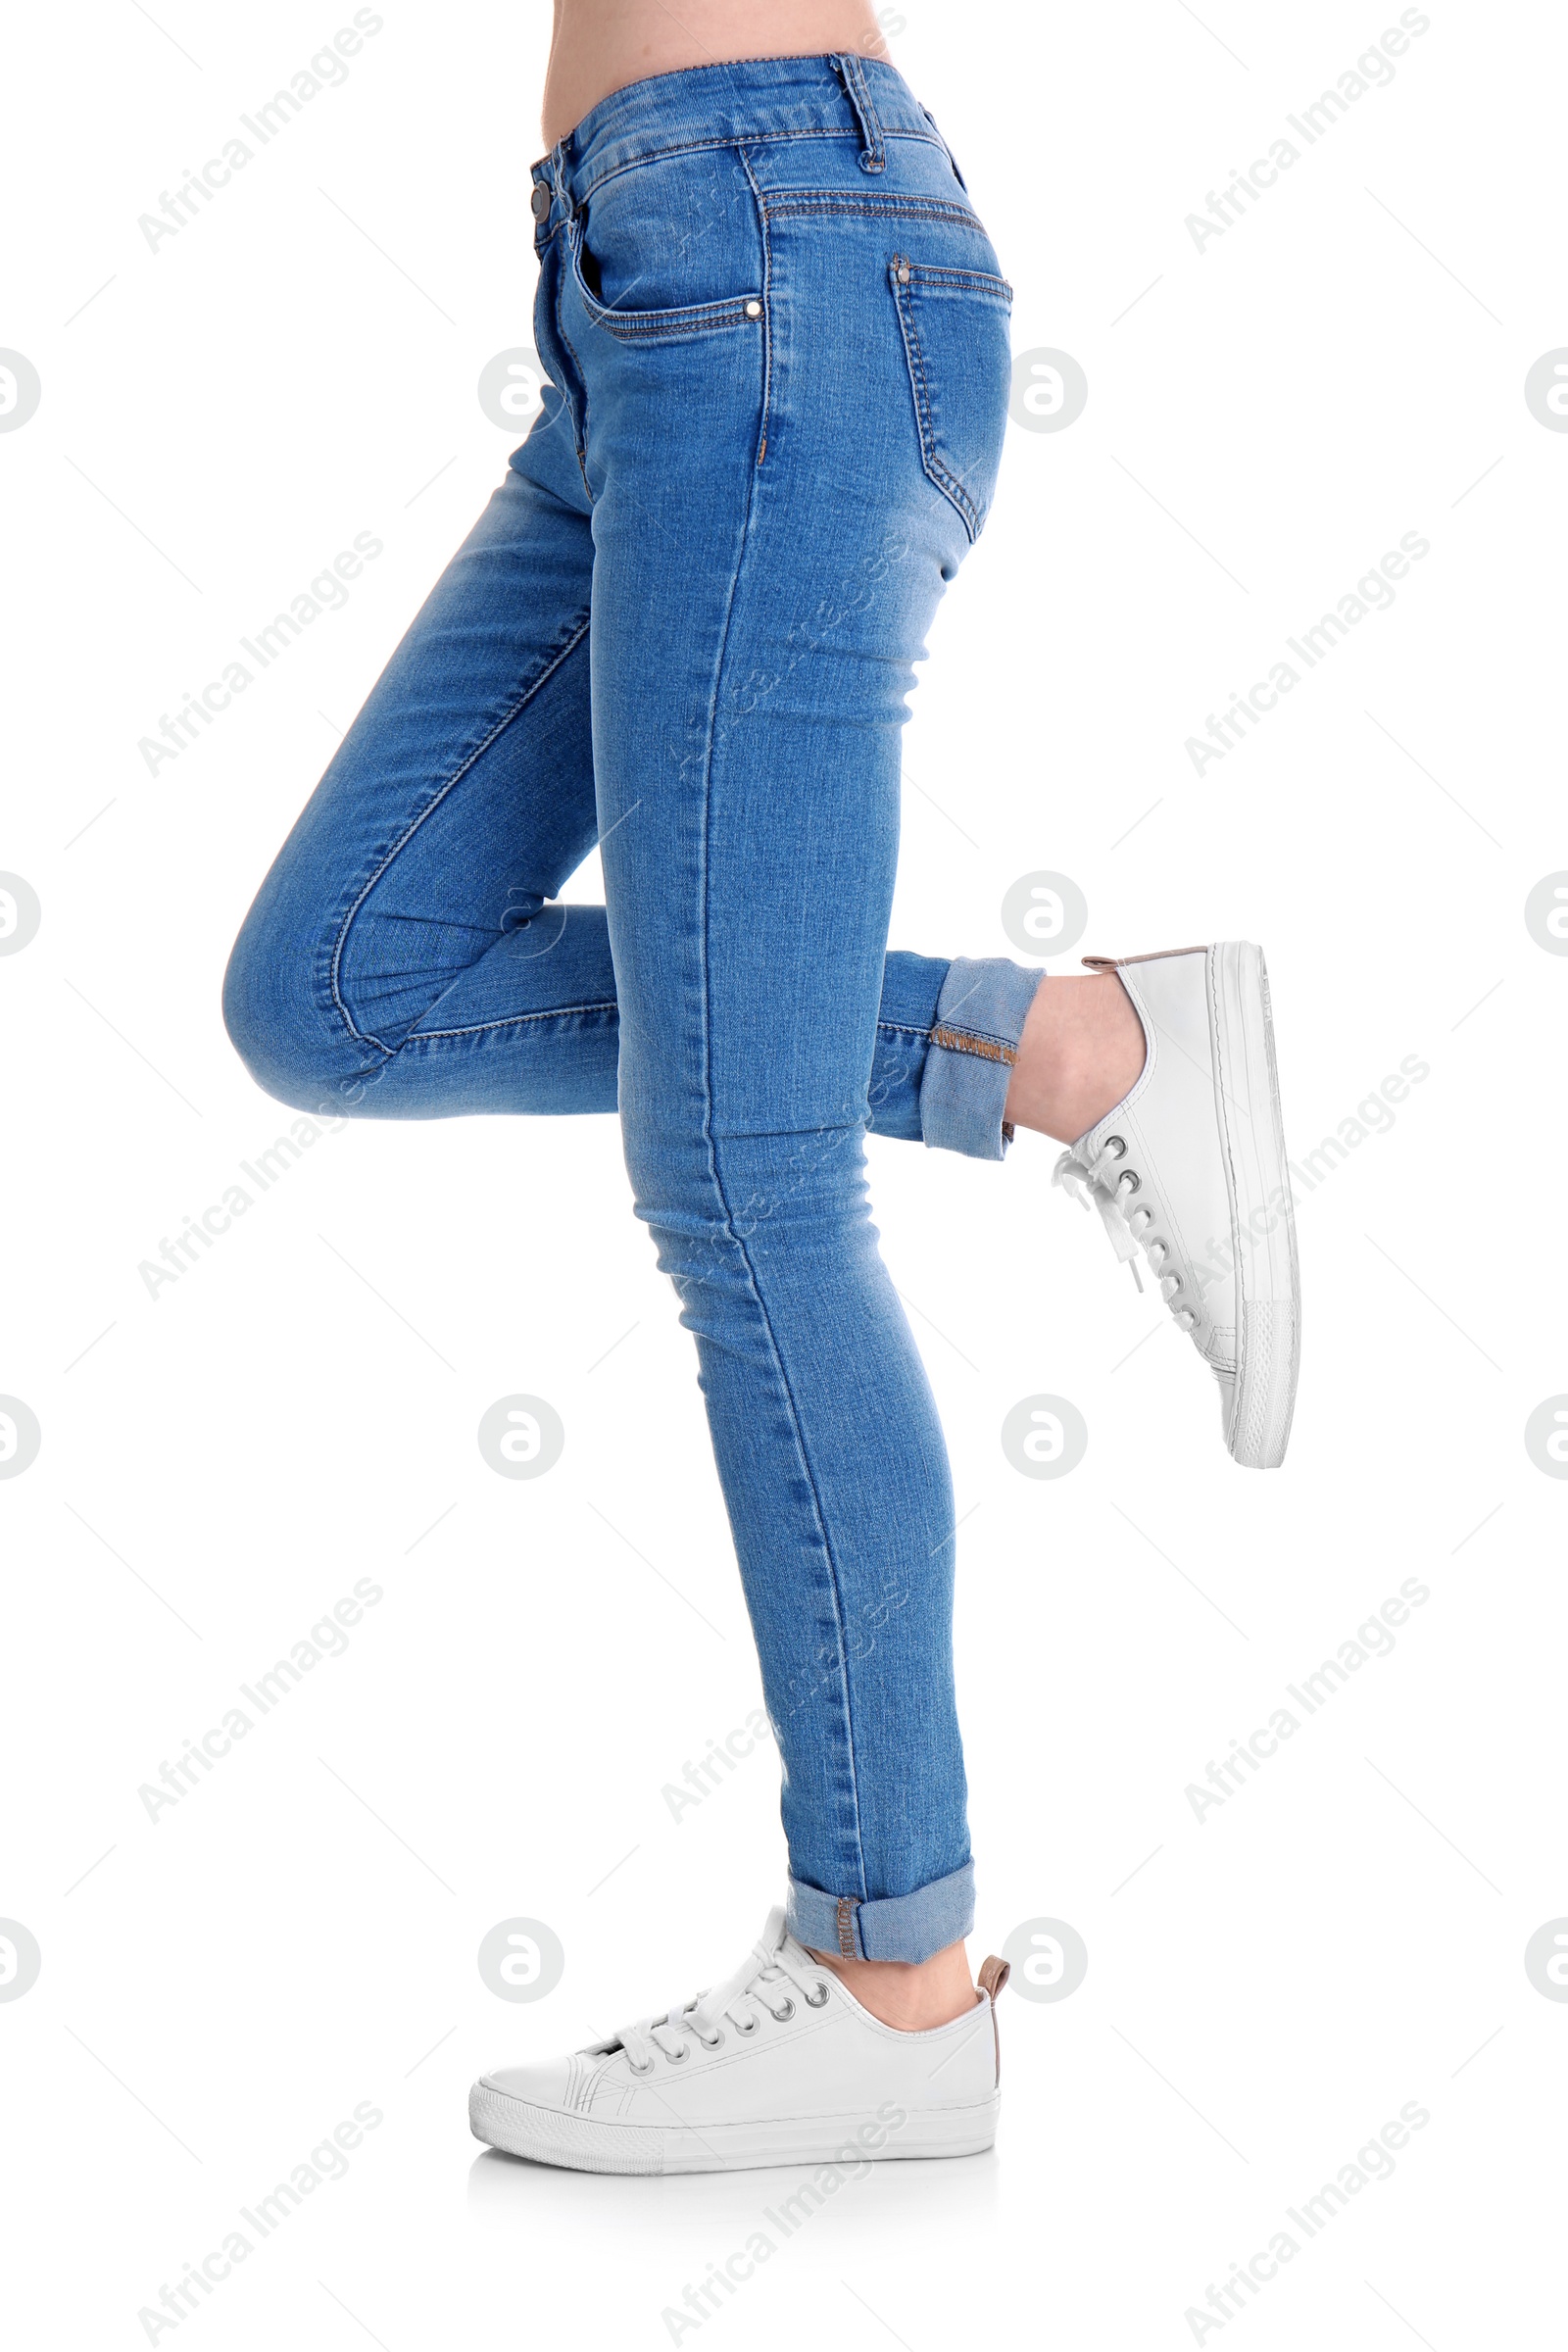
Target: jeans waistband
(720,105)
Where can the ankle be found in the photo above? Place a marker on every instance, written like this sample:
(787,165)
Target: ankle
(914,1996)
(1081,1052)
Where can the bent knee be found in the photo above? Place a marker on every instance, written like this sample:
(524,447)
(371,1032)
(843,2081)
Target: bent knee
(706,1196)
(283,1022)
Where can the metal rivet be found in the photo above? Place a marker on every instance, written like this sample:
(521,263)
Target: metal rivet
(540,200)
(904,276)
(754,309)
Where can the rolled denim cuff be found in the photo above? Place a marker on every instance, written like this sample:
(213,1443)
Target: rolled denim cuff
(900,1927)
(974,1043)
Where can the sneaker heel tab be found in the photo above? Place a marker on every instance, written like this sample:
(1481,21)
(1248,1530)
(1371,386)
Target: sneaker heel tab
(994,1975)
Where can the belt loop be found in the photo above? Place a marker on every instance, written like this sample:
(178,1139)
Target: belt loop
(851,72)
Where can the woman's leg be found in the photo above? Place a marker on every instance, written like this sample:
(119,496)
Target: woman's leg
(757,614)
(752,635)
(399,960)
(402,959)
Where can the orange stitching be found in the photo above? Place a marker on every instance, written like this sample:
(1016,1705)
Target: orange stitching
(959,1041)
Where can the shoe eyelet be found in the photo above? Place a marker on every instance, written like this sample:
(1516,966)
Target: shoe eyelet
(1114,1143)
(783,2016)
(1175,1281)
(716,2042)
(640,2069)
(742,2030)
(819,2000)
(1128,1182)
(680,2056)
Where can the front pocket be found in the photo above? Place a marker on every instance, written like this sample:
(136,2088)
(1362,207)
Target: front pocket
(955,328)
(631,326)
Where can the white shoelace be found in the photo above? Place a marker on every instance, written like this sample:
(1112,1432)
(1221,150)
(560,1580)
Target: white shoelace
(1110,1185)
(755,1987)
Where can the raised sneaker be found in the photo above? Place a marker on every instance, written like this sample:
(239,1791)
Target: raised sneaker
(1189,1168)
(779,2065)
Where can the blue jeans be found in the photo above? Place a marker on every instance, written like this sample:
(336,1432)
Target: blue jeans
(684,628)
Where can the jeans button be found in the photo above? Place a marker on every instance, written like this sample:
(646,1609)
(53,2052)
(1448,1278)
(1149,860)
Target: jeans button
(540,200)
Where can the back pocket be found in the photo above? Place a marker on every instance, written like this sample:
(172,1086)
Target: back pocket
(955,327)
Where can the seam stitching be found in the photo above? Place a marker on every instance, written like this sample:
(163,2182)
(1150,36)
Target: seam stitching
(363,1036)
(964,1041)
(728,1213)
(767,306)
(697,318)
(873,154)
(948,484)
(984,281)
(560,328)
(509,1020)
(752,138)
(568,411)
(923,208)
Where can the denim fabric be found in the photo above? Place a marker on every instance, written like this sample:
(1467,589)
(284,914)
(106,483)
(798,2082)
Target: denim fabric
(684,628)
(979,1020)
(908,1926)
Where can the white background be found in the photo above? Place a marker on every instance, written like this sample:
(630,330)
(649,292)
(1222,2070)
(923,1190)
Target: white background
(220,1464)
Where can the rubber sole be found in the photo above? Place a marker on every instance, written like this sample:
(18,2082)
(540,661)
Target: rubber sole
(1247,1102)
(583,2145)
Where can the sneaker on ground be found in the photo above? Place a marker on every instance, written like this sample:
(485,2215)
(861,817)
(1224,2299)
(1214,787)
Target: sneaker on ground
(1191,1168)
(779,2065)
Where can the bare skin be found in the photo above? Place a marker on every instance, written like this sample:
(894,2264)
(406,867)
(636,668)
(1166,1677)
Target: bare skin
(601,46)
(913,1995)
(1082,1048)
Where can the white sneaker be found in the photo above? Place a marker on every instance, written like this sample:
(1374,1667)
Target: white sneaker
(1190,1166)
(778,2065)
